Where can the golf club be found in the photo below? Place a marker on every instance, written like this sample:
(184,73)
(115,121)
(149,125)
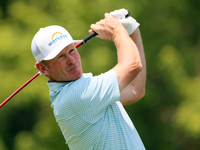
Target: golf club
(83,41)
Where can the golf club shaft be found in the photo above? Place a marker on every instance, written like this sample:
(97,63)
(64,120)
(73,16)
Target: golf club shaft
(87,38)
(19,89)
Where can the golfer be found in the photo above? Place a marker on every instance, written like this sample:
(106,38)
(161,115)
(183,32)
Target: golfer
(89,109)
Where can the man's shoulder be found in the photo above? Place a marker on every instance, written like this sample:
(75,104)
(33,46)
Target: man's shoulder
(87,74)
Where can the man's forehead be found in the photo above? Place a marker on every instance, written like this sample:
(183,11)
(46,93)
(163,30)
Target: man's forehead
(64,50)
(69,47)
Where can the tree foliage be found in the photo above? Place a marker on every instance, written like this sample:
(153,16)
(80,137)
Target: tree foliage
(166,118)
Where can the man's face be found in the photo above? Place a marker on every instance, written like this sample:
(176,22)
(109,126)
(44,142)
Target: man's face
(66,66)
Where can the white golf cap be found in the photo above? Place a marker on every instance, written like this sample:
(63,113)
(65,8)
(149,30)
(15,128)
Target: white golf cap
(50,41)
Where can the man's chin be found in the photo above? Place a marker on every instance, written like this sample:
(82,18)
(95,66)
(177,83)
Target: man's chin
(77,77)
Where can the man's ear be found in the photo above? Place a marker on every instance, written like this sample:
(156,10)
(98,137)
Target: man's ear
(42,68)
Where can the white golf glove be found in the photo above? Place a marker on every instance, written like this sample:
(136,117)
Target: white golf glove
(129,23)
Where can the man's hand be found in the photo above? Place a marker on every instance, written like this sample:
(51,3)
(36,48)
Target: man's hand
(108,28)
(129,23)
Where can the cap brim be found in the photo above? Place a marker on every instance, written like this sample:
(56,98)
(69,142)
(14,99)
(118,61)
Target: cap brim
(56,51)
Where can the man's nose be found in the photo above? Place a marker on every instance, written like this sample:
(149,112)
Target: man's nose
(71,60)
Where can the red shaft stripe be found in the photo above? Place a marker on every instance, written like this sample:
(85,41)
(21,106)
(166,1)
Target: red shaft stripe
(78,44)
(25,84)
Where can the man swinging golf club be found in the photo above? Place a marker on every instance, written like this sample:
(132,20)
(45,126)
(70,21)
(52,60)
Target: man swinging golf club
(89,109)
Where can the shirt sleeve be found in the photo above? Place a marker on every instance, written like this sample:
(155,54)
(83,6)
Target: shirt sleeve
(92,95)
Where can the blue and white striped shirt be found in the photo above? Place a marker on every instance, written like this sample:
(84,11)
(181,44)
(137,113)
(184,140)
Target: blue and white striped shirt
(90,115)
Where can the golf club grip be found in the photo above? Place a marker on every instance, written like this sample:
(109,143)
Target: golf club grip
(127,15)
(93,34)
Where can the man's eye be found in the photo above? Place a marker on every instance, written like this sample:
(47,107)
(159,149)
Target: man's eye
(60,56)
(71,50)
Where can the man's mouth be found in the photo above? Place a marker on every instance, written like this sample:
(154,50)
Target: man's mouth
(74,67)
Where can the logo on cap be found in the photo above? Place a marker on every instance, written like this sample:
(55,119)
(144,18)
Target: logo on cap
(57,38)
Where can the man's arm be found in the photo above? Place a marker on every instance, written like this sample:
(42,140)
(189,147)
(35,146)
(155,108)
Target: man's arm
(136,89)
(129,63)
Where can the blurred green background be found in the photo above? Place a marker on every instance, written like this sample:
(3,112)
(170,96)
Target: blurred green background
(167,118)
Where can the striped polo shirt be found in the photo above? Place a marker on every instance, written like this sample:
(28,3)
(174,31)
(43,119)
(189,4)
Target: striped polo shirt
(90,115)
